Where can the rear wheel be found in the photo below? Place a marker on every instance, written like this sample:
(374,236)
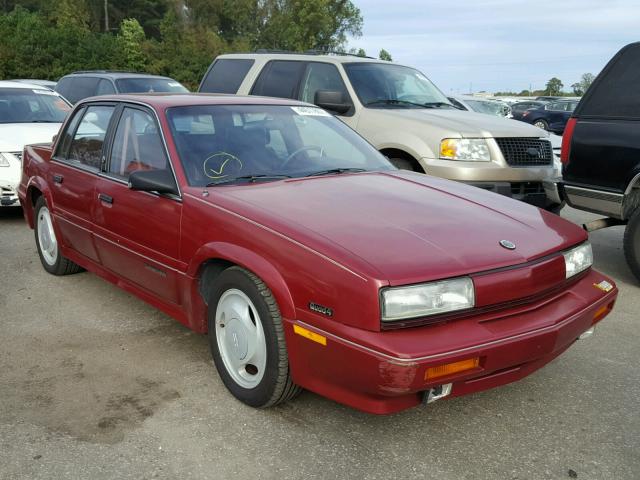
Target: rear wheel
(632,243)
(541,124)
(47,243)
(247,340)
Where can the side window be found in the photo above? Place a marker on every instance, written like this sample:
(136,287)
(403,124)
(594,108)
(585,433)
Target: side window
(80,88)
(226,75)
(105,87)
(86,146)
(63,87)
(65,141)
(321,76)
(137,144)
(279,79)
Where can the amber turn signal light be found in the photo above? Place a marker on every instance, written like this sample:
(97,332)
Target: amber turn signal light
(451,368)
(602,312)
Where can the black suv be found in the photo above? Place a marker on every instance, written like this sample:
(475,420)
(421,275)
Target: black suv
(601,151)
(79,85)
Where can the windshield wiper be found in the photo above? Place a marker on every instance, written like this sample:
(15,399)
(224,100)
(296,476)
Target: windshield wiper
(336,171)
(438,104)
(392,101)
(248,179)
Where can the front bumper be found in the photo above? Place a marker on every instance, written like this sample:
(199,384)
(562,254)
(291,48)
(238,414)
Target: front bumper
(384,372)
(8,197)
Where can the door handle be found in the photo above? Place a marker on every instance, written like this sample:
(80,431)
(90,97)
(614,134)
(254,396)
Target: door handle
(105,198)
(58,178)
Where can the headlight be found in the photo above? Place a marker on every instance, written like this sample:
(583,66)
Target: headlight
(4,160)
(578,259)
(468,149)
(400,303)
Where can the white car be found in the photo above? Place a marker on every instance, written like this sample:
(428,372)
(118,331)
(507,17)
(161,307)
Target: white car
(28,114)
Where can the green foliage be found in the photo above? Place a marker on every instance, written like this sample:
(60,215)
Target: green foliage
(131,40)
(580,88)
(384,55)
(178,38)
(554,87)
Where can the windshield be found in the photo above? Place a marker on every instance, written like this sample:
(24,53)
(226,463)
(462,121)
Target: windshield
(491,108)
(381,85)
(244,143)
(24,105)
(149,85)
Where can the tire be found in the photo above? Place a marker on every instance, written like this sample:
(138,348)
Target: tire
(403,163)
(632,243)
(540,123)
(248,349)
(47,243)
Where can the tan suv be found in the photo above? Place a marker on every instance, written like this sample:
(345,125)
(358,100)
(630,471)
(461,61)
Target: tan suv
(398,110)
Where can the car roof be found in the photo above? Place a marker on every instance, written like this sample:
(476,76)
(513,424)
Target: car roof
(113,74)
(307,57)
(29,86)
(166,100)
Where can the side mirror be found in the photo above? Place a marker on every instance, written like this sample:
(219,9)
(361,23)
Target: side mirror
(331,100)
(160,181)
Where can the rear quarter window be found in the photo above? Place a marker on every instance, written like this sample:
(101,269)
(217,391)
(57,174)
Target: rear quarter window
(279,79)
(616,91)
(75,89)
(226,75)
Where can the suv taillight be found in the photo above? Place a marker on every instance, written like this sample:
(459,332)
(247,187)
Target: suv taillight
(566,140)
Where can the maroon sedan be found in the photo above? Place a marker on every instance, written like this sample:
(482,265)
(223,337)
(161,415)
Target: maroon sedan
(309,259)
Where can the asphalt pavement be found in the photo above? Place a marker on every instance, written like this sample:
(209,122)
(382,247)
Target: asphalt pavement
(95,384)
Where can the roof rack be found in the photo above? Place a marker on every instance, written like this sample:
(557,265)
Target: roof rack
(102,71)
(312,52)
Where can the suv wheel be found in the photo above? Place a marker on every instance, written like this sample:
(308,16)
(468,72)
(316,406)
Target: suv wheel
(632,243)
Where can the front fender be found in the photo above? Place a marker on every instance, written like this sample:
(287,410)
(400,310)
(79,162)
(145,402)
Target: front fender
(251,261)
(405,141)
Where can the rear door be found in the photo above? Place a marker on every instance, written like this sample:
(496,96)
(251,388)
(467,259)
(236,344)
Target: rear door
(138,233)
(605,146)
(74,170)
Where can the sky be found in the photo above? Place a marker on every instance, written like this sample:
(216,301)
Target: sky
(499,45)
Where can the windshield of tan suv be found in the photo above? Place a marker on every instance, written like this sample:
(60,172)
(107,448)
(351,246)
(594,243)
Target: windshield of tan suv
(25,105)
(382,85)
(227,144)
(149,85)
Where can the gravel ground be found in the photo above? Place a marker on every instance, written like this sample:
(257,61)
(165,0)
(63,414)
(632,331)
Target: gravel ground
(95,384)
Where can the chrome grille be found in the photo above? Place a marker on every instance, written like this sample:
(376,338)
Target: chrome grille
(525,152)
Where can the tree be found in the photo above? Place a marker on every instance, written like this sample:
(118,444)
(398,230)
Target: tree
(581,87)
(384,55)
(554,87)
(132,39)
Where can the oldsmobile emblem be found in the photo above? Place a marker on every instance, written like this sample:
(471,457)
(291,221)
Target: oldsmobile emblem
(507,244)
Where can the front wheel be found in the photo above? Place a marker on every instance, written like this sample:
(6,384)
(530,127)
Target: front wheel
(247,342)
(541,124)
(632,243)
(47,243)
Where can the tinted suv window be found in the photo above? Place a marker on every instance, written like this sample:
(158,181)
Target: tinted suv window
(279,79)
(75,89)
(137,144)
(321,76)
(226,75)
(616,92)
(105,87)
(86,146)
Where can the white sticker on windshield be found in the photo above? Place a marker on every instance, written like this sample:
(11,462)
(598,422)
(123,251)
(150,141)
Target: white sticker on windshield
(311,111)
(45,92)
(174,84)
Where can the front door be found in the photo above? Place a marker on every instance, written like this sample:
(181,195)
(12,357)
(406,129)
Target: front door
(74,169)
(138,233)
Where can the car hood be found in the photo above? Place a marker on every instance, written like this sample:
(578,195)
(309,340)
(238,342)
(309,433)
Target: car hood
(457,123)
(14,136)
(402,227)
